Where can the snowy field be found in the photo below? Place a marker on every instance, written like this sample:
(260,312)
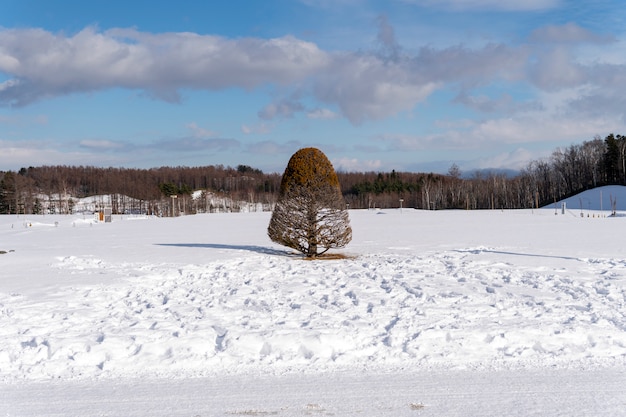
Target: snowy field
(444,313)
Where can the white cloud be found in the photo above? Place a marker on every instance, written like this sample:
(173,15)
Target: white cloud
(269,147)
(322,114)
(199,132)
(101,144)
(363,86)
(285,108)
(538,128)
(35,153)
(505,103)
(356,165)
(515,160)
(556,69)
(387,38)
(160,64)
(8,84)
(20,120)
(502,132)
(258,129)
(194,144)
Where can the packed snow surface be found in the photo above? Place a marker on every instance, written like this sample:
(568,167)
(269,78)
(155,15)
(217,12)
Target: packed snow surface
(424,305)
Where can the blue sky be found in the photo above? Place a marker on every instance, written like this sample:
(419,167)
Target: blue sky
(410,85)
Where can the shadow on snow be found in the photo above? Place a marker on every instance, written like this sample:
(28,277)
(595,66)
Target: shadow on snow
(251,248)
(499,252)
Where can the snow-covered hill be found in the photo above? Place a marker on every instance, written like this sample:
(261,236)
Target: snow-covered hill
(597,199)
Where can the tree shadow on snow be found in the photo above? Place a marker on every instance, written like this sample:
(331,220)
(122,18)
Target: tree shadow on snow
(251,248)
(499,252)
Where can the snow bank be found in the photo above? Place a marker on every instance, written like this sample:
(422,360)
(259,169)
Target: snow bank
(211,295)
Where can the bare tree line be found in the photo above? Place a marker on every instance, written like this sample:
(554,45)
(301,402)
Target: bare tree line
(566,172)
(132,190)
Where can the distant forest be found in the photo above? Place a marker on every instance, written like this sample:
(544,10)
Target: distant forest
(566,172)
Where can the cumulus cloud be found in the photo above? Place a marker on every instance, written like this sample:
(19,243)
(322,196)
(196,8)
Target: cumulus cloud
(200,132)
(412,143)
(194,144)
(356,165)
(103,145)
(15,155)
(361,85)
(495,132)
(322,114)
(387,38)
(44,64)
(258,129)
(557,69)
(269,147)
(597,104)
(505,103)
(555,64)
(364,86)
(515,160)
(285,108)
(16,120)
(546,128)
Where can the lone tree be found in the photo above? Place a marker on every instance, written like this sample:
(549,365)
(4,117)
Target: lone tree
(310,215)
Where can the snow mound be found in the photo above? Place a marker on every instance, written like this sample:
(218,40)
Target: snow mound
(596,199)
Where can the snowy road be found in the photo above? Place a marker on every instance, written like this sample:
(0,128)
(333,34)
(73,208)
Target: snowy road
(430,393)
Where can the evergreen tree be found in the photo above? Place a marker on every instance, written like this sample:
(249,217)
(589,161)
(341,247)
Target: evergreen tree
(37,207)
(8,194)
(611,159)
(310,215)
